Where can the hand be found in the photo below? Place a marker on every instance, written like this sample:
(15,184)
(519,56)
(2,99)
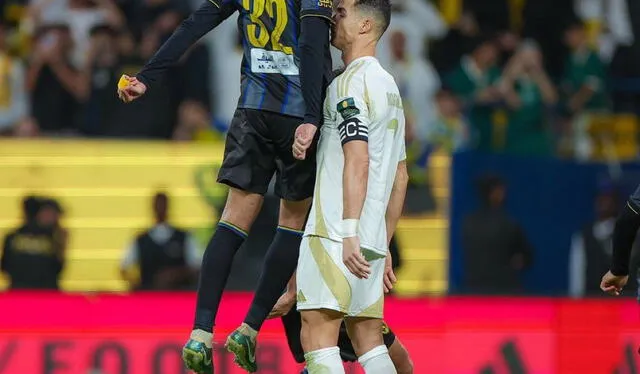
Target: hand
(353,258)
(303,138)
(389,275)
(133,89)
(283,306)
(613,284)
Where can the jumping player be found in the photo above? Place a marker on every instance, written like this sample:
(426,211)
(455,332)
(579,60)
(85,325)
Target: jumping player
(284,70)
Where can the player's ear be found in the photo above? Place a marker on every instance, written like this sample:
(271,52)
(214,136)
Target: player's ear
(366,25)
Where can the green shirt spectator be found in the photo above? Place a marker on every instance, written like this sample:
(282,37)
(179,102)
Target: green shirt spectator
(528,92)
(584,81)
(474,82)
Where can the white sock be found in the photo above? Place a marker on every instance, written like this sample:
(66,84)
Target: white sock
(324,361)
(377,361)
(203,337)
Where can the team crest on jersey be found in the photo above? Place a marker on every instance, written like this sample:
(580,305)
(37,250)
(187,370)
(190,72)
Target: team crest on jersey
(347,108)
(325,4)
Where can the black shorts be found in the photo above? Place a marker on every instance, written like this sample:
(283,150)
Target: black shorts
(292,323)
(258,145)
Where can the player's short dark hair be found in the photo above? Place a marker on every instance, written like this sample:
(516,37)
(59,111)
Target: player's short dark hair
(382,10)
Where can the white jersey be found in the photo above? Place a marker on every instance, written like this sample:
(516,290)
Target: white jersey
(362,103)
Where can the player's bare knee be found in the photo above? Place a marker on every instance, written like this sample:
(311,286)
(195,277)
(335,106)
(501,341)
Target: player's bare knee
(242,208)
(320,329)
(293,214)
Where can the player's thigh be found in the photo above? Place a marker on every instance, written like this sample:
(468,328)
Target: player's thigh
(365,333)
(295,179)
(249,154)
(321,279)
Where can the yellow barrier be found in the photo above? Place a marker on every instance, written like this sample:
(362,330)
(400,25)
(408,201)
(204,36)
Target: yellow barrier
(105,189)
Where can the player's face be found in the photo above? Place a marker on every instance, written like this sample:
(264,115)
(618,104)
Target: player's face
(347,24)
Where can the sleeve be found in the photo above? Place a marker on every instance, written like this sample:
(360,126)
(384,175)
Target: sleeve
(313,44)
(193,254)
(353,106)
(316,8)
(131,257)
(210,14)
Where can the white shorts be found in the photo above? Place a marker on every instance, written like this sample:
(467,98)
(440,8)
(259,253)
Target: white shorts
(324,282)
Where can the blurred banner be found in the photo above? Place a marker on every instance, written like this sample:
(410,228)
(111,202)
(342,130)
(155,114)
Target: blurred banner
(143,334)
(551,199)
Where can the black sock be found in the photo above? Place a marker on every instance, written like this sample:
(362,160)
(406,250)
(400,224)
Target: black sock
(216,266)
(280,262)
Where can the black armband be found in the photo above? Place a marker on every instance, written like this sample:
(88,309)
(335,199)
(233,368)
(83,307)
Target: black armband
(353,129)
(624,234)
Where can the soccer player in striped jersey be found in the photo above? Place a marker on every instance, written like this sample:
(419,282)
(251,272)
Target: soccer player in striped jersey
(286,67)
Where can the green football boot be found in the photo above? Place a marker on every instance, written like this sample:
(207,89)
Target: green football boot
(197,357)
(243,348)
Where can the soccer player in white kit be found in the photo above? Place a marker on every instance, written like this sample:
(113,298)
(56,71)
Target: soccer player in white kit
(360,186)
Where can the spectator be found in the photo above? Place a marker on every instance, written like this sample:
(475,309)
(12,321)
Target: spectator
(495,248)
(33,254)
(584,83)
(529,93)
(53,81)
(418,83)
(154,115)
(419,21)
(451,130)
(168,258)
(590,254)
(475,82)
(101,74)
(459,40)
(14,102)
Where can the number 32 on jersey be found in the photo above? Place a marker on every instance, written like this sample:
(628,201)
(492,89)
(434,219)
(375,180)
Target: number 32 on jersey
(279,58)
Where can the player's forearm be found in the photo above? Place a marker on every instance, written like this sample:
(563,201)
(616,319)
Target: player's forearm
(203,20)
(355,178)
(313,44)
(396,200)
(624,234)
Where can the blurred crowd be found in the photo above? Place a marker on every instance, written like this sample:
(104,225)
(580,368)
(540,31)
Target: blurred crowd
(500,76)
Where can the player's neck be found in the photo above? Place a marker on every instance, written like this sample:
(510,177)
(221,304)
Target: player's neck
(357,50)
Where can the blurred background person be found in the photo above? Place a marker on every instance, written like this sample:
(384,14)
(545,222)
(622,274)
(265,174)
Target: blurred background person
(14,101)
(166,257)
(53,81)
(475,82)
(530,97)
(591,247)
(496,250)
(33,255)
